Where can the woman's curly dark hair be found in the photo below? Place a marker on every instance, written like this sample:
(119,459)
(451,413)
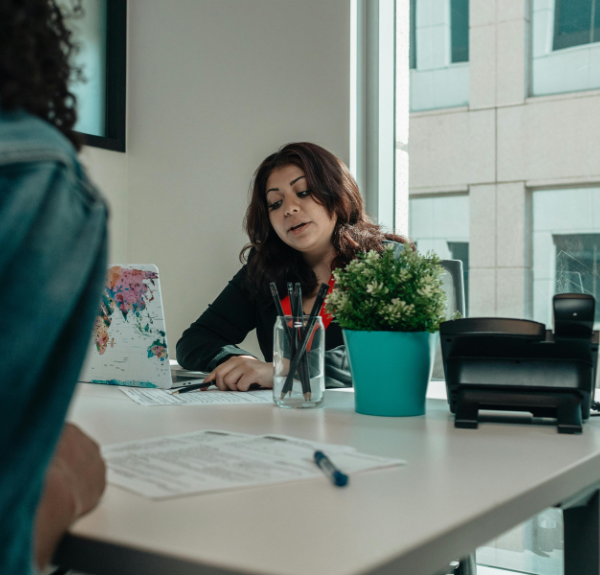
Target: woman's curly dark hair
(331,184)
(35,69)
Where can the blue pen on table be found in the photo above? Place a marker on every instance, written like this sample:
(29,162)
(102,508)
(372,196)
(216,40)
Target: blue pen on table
(335,475)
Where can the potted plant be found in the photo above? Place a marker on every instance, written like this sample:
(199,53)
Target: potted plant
(390,308)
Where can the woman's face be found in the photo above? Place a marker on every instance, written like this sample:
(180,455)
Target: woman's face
(296,217)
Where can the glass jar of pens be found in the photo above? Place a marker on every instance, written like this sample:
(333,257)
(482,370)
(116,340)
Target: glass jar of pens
(299,352)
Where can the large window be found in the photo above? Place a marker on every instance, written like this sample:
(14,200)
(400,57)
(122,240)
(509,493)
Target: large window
(565,46)
(518,247)
(439,54)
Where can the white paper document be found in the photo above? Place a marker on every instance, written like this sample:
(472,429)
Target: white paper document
(210,460)
(148,397)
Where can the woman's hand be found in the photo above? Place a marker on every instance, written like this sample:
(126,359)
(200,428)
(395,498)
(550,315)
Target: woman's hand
(239,372)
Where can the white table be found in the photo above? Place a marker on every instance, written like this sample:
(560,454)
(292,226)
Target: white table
(460,489)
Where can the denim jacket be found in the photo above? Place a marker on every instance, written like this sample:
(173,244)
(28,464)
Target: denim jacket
(52,265)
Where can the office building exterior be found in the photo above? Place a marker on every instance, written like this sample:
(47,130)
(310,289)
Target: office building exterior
(504,147)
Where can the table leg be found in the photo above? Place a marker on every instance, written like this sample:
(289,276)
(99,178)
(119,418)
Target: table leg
(582,536)
(467,566)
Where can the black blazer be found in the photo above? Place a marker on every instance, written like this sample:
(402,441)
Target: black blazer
(214,336)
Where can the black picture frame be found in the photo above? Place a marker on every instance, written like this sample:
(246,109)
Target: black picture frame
(116,80)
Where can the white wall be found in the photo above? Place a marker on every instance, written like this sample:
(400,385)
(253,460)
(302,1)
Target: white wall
(214,86)
(108,170)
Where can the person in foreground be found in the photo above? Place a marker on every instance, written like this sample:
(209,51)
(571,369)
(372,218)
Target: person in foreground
(305,219)
(52,265)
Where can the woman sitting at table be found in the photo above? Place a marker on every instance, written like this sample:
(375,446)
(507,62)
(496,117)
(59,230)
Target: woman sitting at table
(305,219)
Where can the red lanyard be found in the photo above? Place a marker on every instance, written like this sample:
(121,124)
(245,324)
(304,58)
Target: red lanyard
(287,308)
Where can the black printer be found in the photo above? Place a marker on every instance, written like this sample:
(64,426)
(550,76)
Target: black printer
(518,365)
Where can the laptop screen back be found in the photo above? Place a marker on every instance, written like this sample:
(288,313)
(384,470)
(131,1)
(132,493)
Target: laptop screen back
(129,341)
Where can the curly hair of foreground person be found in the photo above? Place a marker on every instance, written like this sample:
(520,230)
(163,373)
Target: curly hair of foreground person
(36,49)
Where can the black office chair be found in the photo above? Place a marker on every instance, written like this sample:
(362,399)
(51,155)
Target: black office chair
(467,566)
(453,285)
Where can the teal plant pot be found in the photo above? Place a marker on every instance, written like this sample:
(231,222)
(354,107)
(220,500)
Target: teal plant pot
(390,370)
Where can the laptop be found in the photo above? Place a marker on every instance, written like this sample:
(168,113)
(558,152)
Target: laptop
(129,341)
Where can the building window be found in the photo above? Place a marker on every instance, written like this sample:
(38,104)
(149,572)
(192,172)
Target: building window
(566,247)
(441,224)
(565,46)
(576,22)
(459,31)
(439,54)
(578,265)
